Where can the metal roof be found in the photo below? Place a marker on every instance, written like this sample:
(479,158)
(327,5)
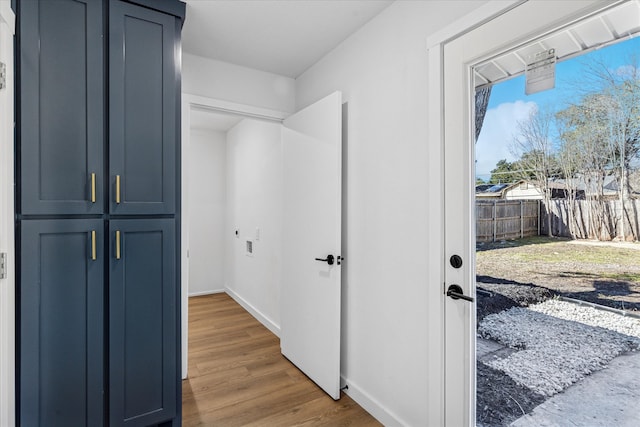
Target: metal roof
(607,27)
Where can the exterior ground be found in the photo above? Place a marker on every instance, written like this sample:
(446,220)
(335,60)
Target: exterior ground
(532,270)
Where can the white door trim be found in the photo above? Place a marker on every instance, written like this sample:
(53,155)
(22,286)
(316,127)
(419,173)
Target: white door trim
(486,41)
(7,214)
(483,14)
(190,101)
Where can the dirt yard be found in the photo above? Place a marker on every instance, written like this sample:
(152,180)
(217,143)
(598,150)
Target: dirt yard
(532,270)
(606,274)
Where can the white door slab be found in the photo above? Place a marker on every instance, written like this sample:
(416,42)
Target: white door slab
(310,297)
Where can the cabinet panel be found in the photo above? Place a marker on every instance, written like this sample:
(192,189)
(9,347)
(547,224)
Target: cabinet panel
(142,110)
(143,336)
(61,323)
(62,97)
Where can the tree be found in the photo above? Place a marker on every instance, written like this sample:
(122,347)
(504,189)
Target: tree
(481,102)
(610,98)
(504,172)
(535,148)
(586,156)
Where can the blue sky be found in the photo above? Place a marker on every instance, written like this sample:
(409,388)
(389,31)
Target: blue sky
(508,104)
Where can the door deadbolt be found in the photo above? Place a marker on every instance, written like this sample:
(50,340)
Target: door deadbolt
(455,261)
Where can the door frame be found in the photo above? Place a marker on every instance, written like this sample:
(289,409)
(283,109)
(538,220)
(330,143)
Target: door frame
(189,102)
(7,215)
(495,27)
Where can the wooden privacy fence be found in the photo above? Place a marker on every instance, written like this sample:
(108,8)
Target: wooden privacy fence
(602,220)
(506,219)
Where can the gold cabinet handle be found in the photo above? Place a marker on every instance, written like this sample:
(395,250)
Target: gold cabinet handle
(118,244)
(94,251)
(93,188)
(118,189)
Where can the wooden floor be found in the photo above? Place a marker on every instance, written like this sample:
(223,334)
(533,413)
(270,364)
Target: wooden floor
(237,376)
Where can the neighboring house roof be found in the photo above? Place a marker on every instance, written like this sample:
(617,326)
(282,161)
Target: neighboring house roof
(481,188)
(525,190)
(491,191)
(499,191)
(589,186)
(558,187)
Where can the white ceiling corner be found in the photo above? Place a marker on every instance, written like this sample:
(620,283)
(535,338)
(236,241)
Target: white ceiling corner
(284,37)
(209,120)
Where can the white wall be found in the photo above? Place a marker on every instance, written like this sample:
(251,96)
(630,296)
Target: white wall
(392,312)
(393,303)
(7,244)
(229,82)
(254,201)
(207,211)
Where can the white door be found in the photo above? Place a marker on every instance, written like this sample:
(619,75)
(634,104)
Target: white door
(310,297)
(519,25)
(459,313)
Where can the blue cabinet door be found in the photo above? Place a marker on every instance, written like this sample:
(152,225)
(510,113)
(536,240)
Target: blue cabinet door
(61,107)
(142,322)
(61,323)
(142,110)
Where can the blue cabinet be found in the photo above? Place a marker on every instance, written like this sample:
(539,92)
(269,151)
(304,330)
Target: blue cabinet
(142,321)
(61,107)
(61,323)
(142,110)
(98,174)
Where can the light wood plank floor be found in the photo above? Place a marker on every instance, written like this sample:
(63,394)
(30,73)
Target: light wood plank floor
(237,376)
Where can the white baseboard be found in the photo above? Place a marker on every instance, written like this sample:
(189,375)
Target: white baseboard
(268,323)
(210,292)
(370,405)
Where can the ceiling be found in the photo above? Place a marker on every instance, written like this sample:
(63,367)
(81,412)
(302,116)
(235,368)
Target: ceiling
(284,37)
(605,28)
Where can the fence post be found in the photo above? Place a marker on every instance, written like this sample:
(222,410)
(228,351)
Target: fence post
(539,215)
(495,221)
(521,219)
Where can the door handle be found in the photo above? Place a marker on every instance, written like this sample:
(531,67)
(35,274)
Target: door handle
(117,189)
(456,292)
(93,188)
(329,259)
(94,251)
(118,244)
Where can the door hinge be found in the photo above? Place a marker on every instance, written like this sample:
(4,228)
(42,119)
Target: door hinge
(3,265)
(3,75)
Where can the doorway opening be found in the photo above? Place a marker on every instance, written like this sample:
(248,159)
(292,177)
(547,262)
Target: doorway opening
(556,202)
(251,188)
(232,179)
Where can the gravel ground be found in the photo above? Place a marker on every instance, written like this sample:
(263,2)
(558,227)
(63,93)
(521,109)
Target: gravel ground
(530,273)
(555,348)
